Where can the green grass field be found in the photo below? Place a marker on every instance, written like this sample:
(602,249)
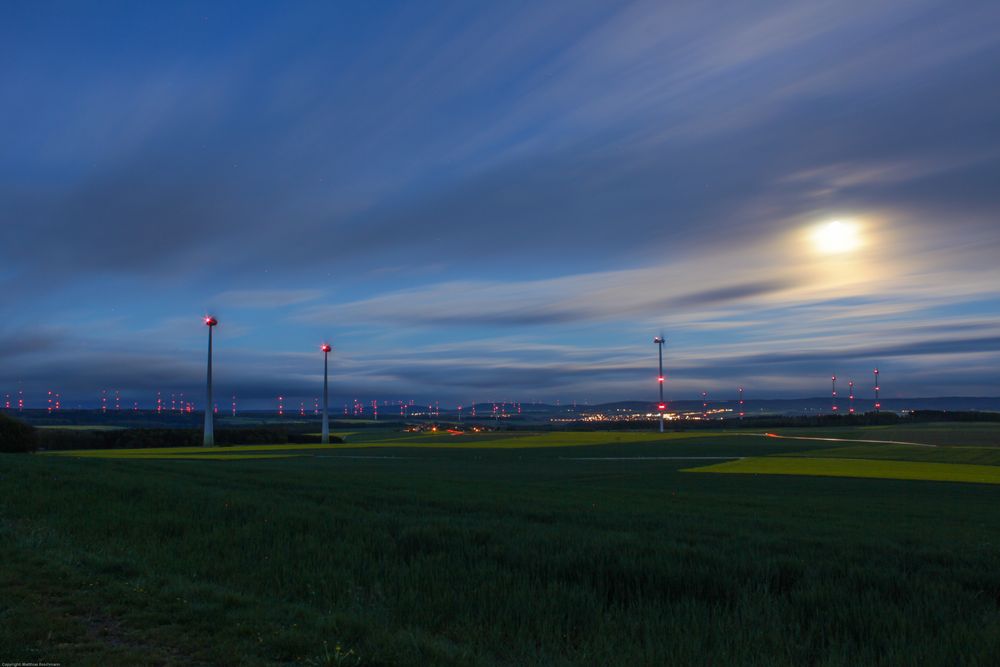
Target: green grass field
(942,434)
(863,468)
(92,427)
(555,549)
(490,441)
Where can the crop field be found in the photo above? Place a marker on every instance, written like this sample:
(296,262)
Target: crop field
(866,468)
(489,440)
(89,427)
(509,549)
(941,434)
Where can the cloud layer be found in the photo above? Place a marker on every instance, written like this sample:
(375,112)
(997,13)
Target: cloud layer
(501,200)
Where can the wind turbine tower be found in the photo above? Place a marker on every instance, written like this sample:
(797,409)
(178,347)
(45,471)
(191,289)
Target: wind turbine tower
(326,394)
(658,341)
(209,439)
(878,405)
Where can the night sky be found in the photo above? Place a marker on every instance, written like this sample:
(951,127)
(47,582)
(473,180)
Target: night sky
(499,201)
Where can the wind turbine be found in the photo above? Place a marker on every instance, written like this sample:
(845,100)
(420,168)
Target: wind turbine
(209,439)
(878,404)
(658,341)
(326,414)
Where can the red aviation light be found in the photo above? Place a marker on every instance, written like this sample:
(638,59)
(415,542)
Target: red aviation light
(325,347)
(663,406)
(661,378)
(210,321)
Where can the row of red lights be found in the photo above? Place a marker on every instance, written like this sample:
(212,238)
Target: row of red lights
(211,321)
(704,396)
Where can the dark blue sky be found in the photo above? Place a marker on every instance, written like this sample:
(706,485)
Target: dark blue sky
(479,201)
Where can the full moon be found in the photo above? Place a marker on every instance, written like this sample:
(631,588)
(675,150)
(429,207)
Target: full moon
(836,237)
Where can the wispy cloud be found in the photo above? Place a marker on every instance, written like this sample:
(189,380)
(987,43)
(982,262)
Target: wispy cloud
(267,298)
(526,174)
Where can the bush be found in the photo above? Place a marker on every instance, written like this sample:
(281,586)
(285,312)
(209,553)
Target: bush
(16,436)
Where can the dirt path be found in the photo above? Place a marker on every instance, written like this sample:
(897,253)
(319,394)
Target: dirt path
(875,442)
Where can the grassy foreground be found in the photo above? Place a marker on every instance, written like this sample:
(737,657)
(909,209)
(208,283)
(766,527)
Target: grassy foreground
(838,467)
(442,554)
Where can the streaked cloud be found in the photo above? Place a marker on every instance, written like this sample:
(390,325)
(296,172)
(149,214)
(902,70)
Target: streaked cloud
(554,180)
(267,298)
